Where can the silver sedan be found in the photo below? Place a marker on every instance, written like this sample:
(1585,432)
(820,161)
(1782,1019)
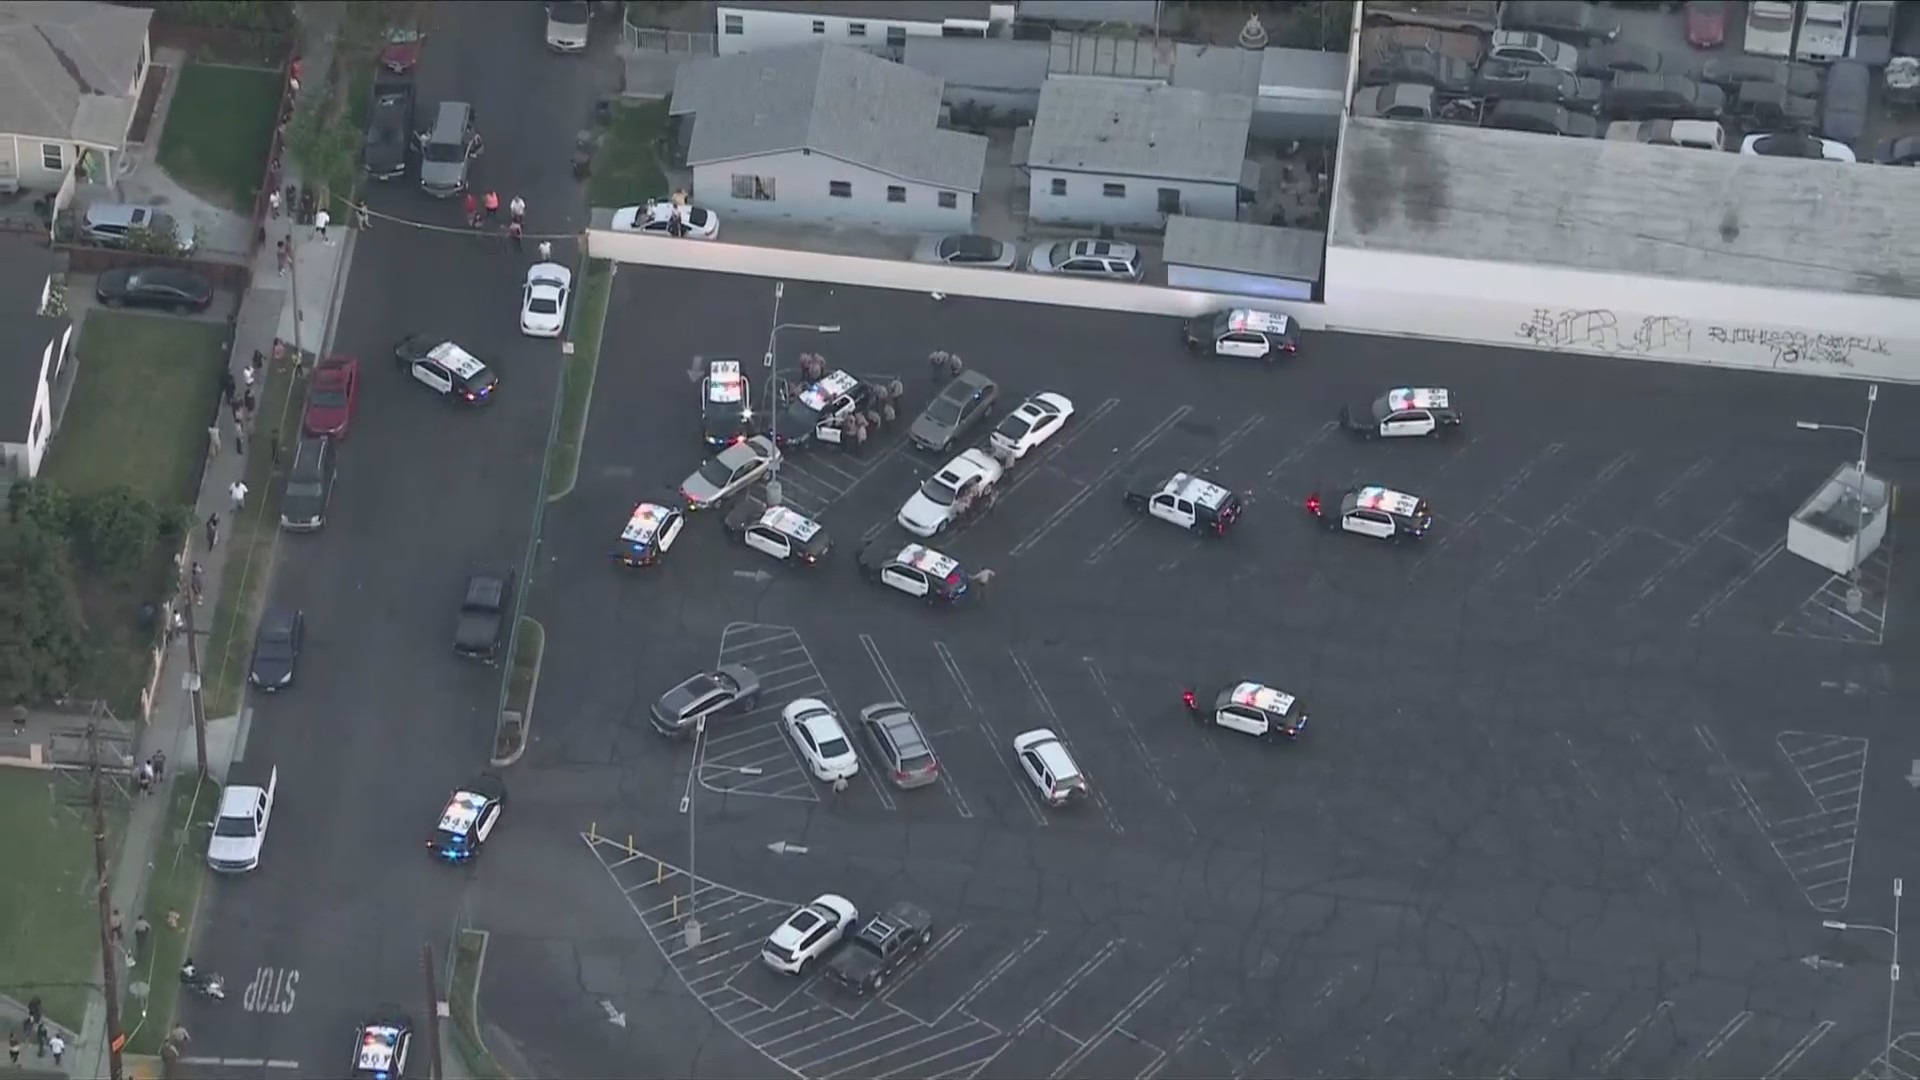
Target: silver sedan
(979,251)
(729,471)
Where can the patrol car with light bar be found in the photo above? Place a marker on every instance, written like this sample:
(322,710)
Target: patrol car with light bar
(649,535)
(446,368)
(1191,502)
(779,531)
(817,410)
(916,570)
(1403,412)
(1378,512)
(1245,334)
(726,405)
(381,1051)
(471,814)
(1252,708)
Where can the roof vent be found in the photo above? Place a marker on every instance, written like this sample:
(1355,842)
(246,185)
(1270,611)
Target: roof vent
(1253,35)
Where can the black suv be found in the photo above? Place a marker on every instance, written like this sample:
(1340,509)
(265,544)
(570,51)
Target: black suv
(1572,20)
(1504,80)
(389,128)
(1769,107)
(1448,75)
(1541,117)
(1663,97)
(303,506)
(485,607)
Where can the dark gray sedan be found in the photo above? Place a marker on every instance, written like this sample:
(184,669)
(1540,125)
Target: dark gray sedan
(979,251)
(960,405)
(276,649)
(706,696)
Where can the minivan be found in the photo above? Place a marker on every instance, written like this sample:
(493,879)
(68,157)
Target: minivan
(110,224)
(445,150)
(303,506)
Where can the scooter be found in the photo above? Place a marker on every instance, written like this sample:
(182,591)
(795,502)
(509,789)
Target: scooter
(208,984)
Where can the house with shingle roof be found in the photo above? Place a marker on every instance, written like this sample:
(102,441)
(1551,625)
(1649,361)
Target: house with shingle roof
(71,74)
(825,134)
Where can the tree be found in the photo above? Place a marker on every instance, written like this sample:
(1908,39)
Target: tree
(42,633)
(113,529)
(323,140)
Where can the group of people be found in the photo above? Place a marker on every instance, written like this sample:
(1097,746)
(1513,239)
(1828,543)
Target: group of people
(34,1027)
(148,774)
(860,425)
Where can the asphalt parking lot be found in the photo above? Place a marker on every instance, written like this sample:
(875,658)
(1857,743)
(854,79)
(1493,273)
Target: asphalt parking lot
(385,720)
(1588,768)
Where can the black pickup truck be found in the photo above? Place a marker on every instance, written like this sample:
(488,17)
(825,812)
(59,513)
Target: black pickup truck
(481,631)
(881,946)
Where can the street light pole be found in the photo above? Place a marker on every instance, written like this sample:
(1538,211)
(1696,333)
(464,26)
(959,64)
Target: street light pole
(1893,963)
(1856,595)
(690,930)
(771,361)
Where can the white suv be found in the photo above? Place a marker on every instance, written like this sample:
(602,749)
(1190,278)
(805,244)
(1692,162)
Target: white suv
(807,934)
(946,493)
(1051,768)
(1087,258)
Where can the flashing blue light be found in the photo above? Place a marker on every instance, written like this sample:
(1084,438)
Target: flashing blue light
(380,1076)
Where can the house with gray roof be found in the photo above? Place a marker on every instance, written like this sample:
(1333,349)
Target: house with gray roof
(36,348)
(1131,154)
(883,26)
(71,74)
(825,134)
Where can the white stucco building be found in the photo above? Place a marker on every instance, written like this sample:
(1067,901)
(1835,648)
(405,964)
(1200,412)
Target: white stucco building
(1625,249)
(826,134)
(746,25)
(1132,154)
(35,349)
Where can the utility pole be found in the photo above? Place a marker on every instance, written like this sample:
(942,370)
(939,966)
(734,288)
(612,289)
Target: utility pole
(434,1067)
(109,948)
(196,701)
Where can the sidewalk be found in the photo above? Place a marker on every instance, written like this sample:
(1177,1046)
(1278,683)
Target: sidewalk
(271,309)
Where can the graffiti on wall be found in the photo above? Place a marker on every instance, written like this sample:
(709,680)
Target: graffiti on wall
(1600,330)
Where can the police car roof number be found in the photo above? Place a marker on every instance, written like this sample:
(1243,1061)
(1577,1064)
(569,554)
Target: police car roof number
(1264,698)
(1393,502)
(725,386)
(644,523)
(929,560)
(1411,398)
(456,359)
(377,1046)
(782,520)
(1257,322)
(462,812)
(1204,492)
(821,394)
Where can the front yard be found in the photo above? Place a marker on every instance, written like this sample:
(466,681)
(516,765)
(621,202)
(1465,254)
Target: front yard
(626,168)
(219,131)
(49,926)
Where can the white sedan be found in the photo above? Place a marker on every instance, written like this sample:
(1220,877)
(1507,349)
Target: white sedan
(808,934)
(821,739)
(543,300)
(947,493)
(657,218)
(1038,419)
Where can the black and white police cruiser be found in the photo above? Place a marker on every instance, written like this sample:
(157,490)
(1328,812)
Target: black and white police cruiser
(1252,708)
(1374,511)
(448,369)
(650,533)
(779,531)
(468,819)
(817,411)
(726,404)
(1403,412)
(385,1041)
(1245,334)
(916,570)
(1191,502)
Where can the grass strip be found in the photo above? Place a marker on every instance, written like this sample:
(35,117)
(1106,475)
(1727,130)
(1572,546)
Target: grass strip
(463,1003)
(49,927)
(576,379)
(173,900)
(523,675)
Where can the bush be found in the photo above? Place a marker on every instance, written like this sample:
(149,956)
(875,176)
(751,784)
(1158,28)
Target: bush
(271,16)
(42,634)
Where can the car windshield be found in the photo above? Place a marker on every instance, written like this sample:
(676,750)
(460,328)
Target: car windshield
(445,153)
(328,397)
(944,411)
(304,489)
(936,492)
(571,12)
(544,305)
(834,747)
(716,473)
(240,827)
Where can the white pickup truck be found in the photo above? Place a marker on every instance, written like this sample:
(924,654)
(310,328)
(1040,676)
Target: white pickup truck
(1770,28)
(1823,30)
(240,829)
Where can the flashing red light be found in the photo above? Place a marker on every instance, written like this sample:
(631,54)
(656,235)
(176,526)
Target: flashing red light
(1187,699)
(1313,504)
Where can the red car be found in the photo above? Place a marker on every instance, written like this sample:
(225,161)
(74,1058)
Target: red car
(1707,23)
(402,50)
(332,397)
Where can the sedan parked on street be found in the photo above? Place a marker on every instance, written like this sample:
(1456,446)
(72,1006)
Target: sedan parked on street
(965,250)
(333,396)
(543,300)
(160,287)
(276,649)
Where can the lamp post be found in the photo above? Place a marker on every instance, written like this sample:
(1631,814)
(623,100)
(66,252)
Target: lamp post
(771,361)
(1856,596)
(690,929)
(1893,964)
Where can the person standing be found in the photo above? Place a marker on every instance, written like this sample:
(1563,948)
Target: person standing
(198,581)
(322,219)
(227,384)
(57,1046)
(517,209)
(283,257)
(213,530)
(238,492)
(361,218)
(953,365)
(273,203)
(546,251)
(938,362)
(492,203)
(513,234)
(213,442)
(473,209)
(116,927)
(13,1048)
(248,375)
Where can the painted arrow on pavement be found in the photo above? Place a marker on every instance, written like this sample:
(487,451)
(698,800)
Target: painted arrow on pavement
(614,1016)
(781,847)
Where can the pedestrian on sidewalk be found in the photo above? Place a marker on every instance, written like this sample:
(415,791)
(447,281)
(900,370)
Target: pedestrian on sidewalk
(240,443)
(238,492)
(492,203)
(273,203)
(57,1046)
(282,255)
(517,209)
(938,362)
(546,251)
(142,929)
(34,1013)
(473,210)
(227,384)
(248,375)
(159,763)
(116,928)
(13,1048)
(198,579)
(143,776)
(361,219)
(248,402)
(176,624)
(40,1037)
(213,442)
(19,720)
(321,220)
(213,531)
(259,361)
(513,235)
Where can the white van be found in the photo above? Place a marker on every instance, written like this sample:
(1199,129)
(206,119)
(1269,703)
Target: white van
(1694,134)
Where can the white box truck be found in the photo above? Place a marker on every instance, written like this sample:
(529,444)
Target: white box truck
(1770,28)
(240,828)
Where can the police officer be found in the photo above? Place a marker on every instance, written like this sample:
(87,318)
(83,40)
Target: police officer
(887,415)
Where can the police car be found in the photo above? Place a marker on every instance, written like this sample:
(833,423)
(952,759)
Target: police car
(650,533)
(1244,333)
(1188,501)
(916,570)
(779,531)
(1254,709)
(726,404)
(468,819)
(447,368)
(381,1051)
(1374,511)
(817,410)
(1402,412)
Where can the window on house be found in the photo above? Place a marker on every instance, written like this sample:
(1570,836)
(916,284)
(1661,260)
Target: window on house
(840,189)
(736,24)
(897,36)
(819,26)
(753,188)
(1058,186)
(949,200)
(1169,200)
(1114,191)
(856,29)
(53,157)
(896,193)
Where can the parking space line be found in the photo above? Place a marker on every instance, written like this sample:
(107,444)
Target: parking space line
(1072,503)
(744,732)
(1021,785)
(1118,1019)
(907,1069)
(1492,504)
(1560,516)
(893,688)
(1627,1042)
(1510,1070)
(809,1011)
(1761,561)
(1139,745)
(704,942)
(940,945)
(1686,552)
(1054,449)
(1689,473)
(886,1016)
(1294,456)
(698,889)
(918,1068)
(1164,1056)
(1719,1041)
(1060,992)
(1254,1059)
(1798,1050)
(1059,729)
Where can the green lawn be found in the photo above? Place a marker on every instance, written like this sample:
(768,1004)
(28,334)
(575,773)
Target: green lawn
(49,928)
(173,899)
(626,168)
(219,130)
(577,373)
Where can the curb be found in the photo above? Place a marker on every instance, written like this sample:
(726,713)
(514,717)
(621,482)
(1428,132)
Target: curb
(526,714)
(470,1005)
(586,405)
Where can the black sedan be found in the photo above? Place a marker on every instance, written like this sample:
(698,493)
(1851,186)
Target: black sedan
(276,649)
(1904,150)
(154,287)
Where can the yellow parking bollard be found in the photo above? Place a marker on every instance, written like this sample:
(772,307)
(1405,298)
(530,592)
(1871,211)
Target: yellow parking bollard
(659,871)
(593,831)
(630,850)
(676,907)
